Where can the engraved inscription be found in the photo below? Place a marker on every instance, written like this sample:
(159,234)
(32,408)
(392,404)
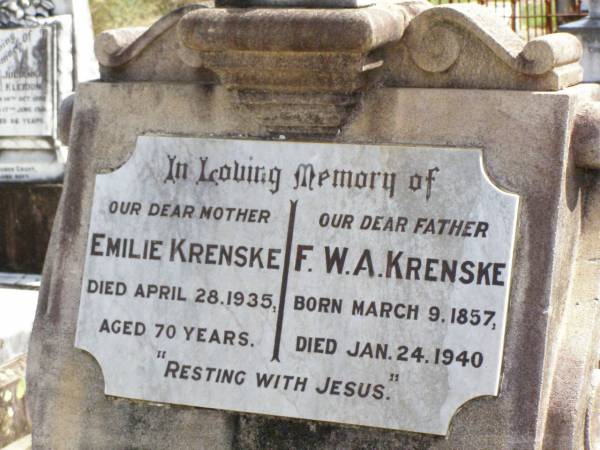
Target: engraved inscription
(26,93)
(360,284)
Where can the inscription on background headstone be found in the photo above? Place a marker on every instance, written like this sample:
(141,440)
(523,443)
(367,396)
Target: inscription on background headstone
(41,48)
(27,103)
(361,284)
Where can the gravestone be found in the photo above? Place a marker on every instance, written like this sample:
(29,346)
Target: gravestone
(45,50)
(363,227)
(41,61)
(588,31)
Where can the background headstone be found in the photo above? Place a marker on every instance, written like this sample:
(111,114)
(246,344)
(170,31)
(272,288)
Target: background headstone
(588,32)
(44,53)
(46,49)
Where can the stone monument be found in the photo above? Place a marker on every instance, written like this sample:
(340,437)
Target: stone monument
(588,31)
(46,48)
(368,225)
(44,53)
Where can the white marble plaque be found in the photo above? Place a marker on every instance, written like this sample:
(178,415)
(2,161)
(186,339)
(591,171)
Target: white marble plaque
(27,96)
(360,284)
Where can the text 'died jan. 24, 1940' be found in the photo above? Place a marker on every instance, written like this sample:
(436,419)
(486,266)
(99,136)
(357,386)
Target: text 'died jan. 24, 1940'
(360,284)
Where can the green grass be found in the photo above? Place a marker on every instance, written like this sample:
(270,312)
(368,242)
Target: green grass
(108,14)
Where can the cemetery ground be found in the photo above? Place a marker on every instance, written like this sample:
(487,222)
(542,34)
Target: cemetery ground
(18,310)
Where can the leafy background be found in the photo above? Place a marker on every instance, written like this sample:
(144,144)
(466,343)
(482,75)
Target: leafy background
(108,14)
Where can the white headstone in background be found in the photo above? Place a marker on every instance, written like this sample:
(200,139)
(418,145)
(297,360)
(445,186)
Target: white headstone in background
(588,32)
(361,284)
(41,61)
(27,93)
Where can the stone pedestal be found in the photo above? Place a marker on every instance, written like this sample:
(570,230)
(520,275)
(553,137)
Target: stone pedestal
(404,74)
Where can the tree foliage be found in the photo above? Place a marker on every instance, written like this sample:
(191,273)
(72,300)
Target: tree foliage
(108,14)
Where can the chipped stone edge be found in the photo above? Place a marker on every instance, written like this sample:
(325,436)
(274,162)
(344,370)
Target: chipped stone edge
(116,48)
(536,57)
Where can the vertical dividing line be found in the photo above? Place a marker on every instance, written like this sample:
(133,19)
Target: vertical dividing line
(284,279)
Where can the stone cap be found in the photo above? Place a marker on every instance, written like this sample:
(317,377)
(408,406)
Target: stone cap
(465,46)
(400,43)
(294,3)
(115,48)
(296,50)
(587,24)
(294,30)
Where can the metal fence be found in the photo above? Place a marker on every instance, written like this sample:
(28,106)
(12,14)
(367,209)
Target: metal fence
(532,18)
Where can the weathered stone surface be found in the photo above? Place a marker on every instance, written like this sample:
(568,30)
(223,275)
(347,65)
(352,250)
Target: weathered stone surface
(445,47)
(131,53)
(585,142)
(343,31)
(65,116)
(286,56)
(551,345)
(118,48)
(578,341)
(449,48)
(592,425)
(465,46)
(316,80)
(536,165)
(296,3)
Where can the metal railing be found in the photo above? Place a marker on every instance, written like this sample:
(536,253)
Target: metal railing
(531,18)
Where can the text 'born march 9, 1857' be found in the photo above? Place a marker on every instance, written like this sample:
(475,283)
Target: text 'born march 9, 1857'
(359,284)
